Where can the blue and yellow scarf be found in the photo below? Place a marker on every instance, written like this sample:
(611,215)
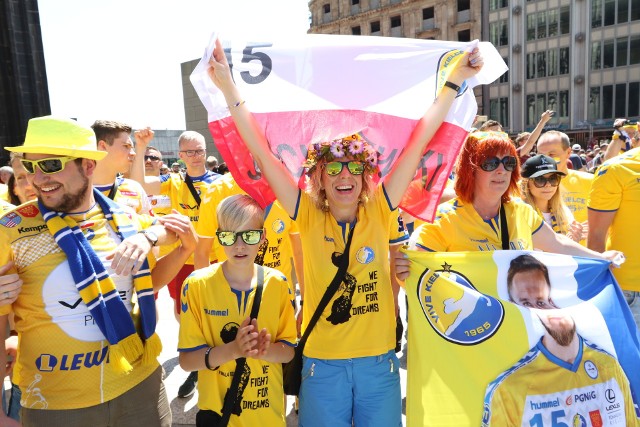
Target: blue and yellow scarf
(98,290)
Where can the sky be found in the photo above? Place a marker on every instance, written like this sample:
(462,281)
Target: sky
(120,59)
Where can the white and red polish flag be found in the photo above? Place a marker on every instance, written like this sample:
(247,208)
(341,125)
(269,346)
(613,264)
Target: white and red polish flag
(320,87)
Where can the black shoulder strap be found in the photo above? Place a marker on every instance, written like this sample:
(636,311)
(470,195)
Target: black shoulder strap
(504,229)
(328,294)
(114,188)
(231,396)
(192,189)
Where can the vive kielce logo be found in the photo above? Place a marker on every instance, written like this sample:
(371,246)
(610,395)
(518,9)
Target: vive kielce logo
(455,309)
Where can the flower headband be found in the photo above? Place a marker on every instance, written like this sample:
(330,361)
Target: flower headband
(353,145)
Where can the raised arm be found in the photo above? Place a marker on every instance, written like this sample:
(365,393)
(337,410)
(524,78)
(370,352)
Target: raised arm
(151,184)
(526,148)
(280,180)
(404,170)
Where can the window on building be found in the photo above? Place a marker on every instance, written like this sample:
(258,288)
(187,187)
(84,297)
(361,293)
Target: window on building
(564,61)
(563,103)
(634,49)
(464,5)
(356,31)
(464,36)
(326,8)
(542,24)
(505,77)
(428,13)
(623,11)
(531,26)
(621,100)
(565,20)
(498,4)
(355,2)
(607,102)
(634,99)
(608,54)
(596,55)
(531,66)
(609,12)
(504,33)
(552,102)
(552,62)
(499,110)
(622,51)
(635,10)
(594,104)
(596,13)
(396,22)
(531,110)
(375,27)
(552,18)
(541,63)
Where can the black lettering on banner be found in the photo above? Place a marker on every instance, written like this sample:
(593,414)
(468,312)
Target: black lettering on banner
(286,149)
(249,55)
(257,175)
(425,170)
(385,162)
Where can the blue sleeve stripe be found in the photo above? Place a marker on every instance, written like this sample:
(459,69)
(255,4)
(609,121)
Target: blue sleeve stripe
(386,196)
(424,247)
(537,229)
(188,349)
(295,214)
(602,210)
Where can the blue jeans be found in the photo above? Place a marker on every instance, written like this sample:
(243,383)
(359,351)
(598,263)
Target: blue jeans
(633,299)
(14,402)
(363,391)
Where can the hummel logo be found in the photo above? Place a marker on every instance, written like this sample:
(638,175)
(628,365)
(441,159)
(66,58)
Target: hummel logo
(72,307)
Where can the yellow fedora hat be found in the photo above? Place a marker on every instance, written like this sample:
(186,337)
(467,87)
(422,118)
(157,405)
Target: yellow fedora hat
(59,136)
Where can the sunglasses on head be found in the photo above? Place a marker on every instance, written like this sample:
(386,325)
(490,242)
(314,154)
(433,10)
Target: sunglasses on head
(492,163)
(250,237)
(152,158)
(541,181)
(335,168)
(48,165)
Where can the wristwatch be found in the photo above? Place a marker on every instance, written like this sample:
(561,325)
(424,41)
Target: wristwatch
(150,235)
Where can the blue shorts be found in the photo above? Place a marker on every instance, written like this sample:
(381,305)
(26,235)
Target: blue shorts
(363,391)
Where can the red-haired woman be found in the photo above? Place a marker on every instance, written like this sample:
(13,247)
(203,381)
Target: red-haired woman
(487,174)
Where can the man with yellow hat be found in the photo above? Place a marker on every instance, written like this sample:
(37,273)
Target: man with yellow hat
(83,260)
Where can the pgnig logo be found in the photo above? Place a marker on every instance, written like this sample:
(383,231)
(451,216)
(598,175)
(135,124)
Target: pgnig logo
(455,309)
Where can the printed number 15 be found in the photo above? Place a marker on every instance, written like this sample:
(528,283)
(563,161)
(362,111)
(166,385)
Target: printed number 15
(536,421)
(249,55)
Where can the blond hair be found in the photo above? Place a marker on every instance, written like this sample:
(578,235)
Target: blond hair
(237,210)
(556,206)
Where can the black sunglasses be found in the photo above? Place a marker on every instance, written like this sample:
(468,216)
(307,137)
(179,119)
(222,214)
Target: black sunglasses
(250,237)
(492,163)
(541,181)
(152,158)
(335,168)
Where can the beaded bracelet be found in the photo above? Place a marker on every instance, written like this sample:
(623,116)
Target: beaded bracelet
(236,105)
(452,86)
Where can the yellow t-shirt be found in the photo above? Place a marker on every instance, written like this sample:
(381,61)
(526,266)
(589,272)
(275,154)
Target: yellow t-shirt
(276,252)
(5,206)
(616,187)
(128,193)
(62,359)
(4,192)
(211,313)
(183,201)
(457,227)
(575,189)
(359,321)
(542,390)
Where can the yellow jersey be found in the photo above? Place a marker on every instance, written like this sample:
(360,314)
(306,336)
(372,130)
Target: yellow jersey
(575,187)
(128,193)
(63,355)
(211,312)
(616,188)
(543,390)
(359,321)
(457,227)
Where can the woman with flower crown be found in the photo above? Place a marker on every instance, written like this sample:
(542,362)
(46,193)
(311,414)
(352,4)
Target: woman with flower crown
(350,370)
